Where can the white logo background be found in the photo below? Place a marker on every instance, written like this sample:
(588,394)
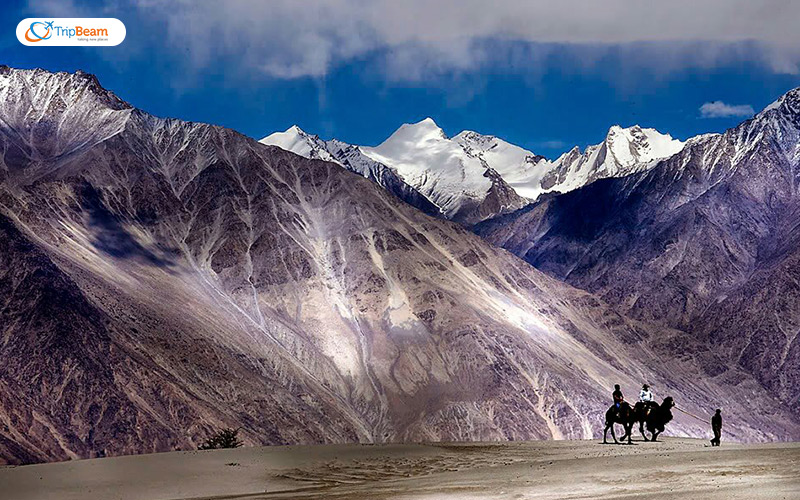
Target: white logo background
(60,32)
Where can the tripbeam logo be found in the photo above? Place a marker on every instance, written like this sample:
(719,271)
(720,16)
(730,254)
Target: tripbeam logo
(71,31)
(31,35)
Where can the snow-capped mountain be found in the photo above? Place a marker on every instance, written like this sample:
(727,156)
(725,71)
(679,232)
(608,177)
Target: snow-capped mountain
(429,170)
(623,152)
(353,158)
(160,279)
(473,177)
(460,184)
(297,141)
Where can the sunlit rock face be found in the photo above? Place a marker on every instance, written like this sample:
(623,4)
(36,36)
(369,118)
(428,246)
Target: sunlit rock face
(706,242)
(160,279)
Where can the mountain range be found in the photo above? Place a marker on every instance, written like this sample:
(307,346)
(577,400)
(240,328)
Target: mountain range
(160,279)
(473,177)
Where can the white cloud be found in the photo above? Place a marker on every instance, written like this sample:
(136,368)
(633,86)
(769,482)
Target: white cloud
(719,109)
(419,38)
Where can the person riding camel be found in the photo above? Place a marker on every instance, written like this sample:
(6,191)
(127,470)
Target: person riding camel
(618,398)
(646,399)
(645,395)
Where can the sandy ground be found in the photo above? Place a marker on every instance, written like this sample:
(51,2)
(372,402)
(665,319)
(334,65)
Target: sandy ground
(675,468)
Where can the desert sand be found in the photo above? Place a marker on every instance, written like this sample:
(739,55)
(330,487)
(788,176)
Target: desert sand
(675,468)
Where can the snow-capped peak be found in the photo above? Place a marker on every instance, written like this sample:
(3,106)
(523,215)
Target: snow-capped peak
(298,141)
(789,101)
(423,155)
(636,146)
(623,152)
(415,133)
(286,138)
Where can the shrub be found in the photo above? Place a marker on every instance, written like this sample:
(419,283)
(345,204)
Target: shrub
(226,438)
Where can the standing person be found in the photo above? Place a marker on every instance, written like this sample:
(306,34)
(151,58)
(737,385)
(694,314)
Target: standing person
(716,426)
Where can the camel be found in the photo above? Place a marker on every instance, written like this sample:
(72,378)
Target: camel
(659,417)
(624,416)
(655,420)
(641,412)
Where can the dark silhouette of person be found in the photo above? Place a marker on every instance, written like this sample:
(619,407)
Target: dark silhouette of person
(716,426)
(617,395)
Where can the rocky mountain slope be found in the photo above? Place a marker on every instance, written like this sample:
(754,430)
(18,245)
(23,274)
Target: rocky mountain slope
(160,279)
(706,242)
(473,177)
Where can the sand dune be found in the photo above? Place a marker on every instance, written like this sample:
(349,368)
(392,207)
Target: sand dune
(676,468)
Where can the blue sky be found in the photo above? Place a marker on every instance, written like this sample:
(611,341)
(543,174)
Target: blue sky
(356,71)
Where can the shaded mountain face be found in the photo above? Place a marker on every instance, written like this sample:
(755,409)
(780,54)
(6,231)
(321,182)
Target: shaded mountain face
(160,279)
(473,177)
(706,242)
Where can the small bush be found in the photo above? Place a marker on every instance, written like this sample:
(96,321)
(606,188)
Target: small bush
(226,438)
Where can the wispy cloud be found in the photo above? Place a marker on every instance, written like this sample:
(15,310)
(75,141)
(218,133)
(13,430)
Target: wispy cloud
(719,109)
(419,39)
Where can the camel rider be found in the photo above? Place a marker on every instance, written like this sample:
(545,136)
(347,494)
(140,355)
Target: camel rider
(646,398)
(617,395)
(646,395)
